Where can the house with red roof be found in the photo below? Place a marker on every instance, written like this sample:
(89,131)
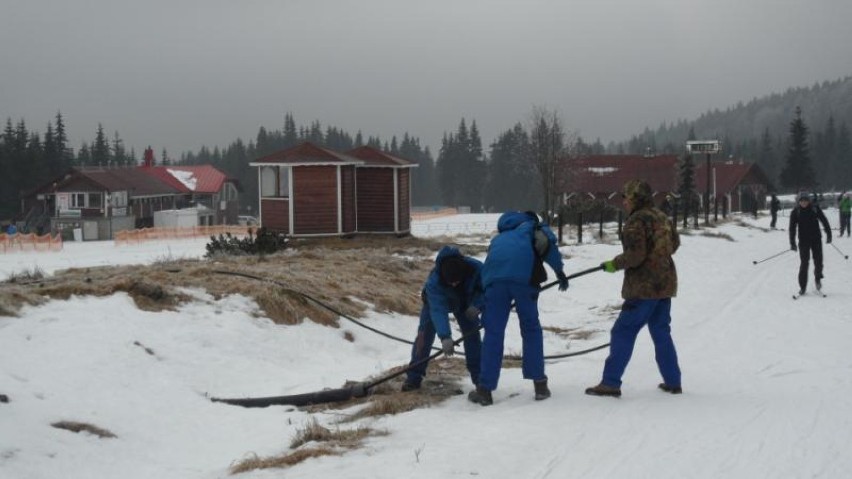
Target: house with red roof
(101,201)
(741,185)
(308,190)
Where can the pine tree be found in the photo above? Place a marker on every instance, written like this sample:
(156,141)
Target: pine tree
(511,180)
(766,156)
(798,172)
(100,148)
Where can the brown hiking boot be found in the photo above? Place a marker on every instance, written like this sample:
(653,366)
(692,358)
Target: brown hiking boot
(480,396)
(603,390)
(670,389)
(541,390)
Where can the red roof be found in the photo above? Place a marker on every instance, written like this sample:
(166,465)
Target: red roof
(123,179)
(375,157)
(729,175)
(308,154)
(608,173)
(189,179)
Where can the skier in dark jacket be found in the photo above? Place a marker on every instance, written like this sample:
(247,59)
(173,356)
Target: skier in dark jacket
(513,272)
(806,218)
(774,206)
(453,286)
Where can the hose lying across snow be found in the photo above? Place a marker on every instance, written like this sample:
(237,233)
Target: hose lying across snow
(361,389)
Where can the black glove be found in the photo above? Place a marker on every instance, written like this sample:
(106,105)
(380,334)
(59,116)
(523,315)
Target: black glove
(447,346)
(563,281)
(793,247)
(472,313)
(828,240)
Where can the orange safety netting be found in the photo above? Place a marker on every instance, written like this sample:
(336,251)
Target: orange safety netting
(29,242)
(162,233)
(425,215)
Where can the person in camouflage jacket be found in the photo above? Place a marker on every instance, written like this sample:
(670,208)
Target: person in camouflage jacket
(649,240)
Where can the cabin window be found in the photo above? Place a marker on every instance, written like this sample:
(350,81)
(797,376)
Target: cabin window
(94,200)
(274,181)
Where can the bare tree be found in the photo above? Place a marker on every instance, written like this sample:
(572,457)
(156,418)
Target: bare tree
(549,149)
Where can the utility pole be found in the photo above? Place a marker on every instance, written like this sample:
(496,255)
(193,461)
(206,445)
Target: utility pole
(708,147)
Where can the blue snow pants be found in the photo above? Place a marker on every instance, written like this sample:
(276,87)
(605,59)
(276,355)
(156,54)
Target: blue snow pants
(498,303)
(636,313)
(422,347)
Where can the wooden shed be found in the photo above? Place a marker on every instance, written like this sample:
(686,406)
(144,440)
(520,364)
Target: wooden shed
(383,191)
(307,190)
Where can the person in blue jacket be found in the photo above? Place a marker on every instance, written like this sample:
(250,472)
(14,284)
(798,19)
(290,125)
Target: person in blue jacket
(513,272)
(453,286)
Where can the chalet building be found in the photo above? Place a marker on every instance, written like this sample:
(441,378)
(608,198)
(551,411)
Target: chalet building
(308,191)
(741,186)
(98,201)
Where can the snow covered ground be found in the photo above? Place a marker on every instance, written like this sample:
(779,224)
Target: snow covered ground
(767,380)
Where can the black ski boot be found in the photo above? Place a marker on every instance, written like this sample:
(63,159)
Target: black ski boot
(670,389)
(480,396)
(541,390)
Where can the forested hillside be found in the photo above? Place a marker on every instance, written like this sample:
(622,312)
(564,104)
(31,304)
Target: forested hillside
(759,131)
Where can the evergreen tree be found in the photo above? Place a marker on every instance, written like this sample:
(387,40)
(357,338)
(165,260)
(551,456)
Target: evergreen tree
(100,148)
(511,180)
(291,136)
(766,158)
(798,172)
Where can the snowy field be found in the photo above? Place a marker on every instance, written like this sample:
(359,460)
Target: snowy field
(765,378)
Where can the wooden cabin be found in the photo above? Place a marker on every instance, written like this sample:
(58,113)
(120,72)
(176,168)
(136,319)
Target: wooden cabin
(383,191)
(307,190)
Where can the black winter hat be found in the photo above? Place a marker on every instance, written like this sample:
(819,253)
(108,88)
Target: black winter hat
(454,269)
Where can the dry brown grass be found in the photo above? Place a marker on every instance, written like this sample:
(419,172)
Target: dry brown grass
(74,426)
(327,442)
(340,272)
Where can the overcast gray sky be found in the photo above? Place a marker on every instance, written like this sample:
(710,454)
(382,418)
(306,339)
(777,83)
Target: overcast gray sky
(178,74)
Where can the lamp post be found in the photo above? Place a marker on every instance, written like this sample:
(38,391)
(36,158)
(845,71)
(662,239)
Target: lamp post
(708,147)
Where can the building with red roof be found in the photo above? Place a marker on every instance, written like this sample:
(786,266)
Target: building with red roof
(743,186)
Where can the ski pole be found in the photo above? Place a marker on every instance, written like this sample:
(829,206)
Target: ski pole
(773,256)
(572,276)
(845,256)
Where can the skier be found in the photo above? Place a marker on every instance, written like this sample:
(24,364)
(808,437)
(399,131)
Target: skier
(649,240)
(454,285)
(774,206)
(845,207)
(513,272)
(806,218)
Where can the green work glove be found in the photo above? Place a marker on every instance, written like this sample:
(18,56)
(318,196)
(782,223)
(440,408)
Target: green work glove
(608,266)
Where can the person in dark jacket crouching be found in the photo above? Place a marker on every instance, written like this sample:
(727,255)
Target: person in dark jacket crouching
(513,272)
(454,286)
(649,240)
(806,218)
